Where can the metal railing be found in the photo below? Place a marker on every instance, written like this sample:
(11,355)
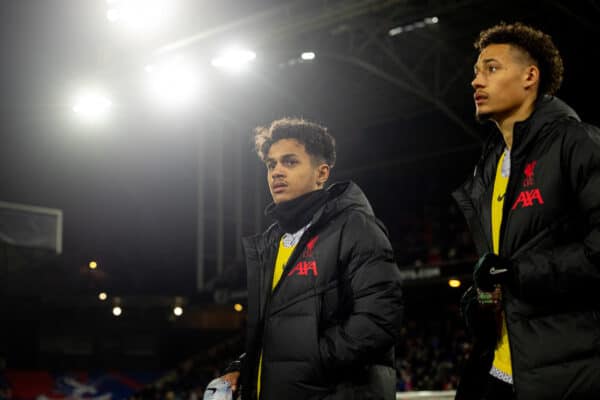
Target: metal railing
(426,395)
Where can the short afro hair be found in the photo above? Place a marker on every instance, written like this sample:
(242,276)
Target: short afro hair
(537,44)
(316,139)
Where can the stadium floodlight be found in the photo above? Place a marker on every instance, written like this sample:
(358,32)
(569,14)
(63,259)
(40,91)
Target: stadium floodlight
(234,60)
(411,27)
(102,296)
(92,105)
(139,15)
(117,311)
(173,83)
(238,307)
(178,311)
(308,56)
(396,31)
(454,283)
(93,265)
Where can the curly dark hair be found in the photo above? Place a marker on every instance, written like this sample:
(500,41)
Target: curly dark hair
(537,44)
(316,139)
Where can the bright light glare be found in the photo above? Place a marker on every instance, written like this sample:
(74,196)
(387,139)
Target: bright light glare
(172,83)
(308,55)
(454,283)
(93,265)
(234,60)
(238,307)
(410,27)
(396,31)
(139,15)
(92,105)
(117,311)
(112,15)
(102,296)
(178,311)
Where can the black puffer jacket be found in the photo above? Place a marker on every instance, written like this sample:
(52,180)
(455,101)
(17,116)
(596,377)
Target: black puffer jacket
(551,230)
(328,329)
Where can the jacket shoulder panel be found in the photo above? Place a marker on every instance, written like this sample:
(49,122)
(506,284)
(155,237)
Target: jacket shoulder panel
(364,237)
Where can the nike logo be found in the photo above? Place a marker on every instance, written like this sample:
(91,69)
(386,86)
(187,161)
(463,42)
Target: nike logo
(494,271)
(501,197)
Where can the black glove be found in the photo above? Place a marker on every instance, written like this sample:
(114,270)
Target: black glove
(480,321)
(492,270)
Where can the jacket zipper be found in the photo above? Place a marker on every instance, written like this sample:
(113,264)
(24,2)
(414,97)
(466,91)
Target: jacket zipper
(267,308)
(511,189)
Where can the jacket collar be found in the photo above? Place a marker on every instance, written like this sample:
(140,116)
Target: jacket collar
(548,109)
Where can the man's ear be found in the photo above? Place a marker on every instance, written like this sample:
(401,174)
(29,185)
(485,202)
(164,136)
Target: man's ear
(532,77)
(322,174)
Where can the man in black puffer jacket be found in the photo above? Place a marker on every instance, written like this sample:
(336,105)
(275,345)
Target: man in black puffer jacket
(533,206)
(324,297)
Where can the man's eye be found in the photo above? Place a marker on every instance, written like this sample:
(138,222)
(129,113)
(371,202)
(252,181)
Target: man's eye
(270,166)
(290,162)
(492,68)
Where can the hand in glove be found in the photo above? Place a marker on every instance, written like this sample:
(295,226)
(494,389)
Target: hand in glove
(480,316)
(492,270)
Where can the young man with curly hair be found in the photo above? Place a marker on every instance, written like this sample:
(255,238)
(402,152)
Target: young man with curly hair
(324,297)
(533,206)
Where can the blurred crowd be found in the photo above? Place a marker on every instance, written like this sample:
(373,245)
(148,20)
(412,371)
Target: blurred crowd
(188,380)
(431,353)
(436,235)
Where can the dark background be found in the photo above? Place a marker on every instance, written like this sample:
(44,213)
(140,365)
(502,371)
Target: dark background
(133,189)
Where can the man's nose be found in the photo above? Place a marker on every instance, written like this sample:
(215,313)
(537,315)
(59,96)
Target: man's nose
(277,171)
(477,81)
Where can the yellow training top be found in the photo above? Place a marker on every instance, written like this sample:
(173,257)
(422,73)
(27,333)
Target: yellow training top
(502,367)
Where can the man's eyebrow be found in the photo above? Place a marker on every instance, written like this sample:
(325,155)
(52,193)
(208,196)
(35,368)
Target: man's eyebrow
(283,157)
(485,61)
(287,155)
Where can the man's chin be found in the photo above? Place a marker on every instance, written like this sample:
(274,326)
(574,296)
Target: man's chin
(280,198)
(482,117)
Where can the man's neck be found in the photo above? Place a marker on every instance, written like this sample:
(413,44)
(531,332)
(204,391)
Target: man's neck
(506,124)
